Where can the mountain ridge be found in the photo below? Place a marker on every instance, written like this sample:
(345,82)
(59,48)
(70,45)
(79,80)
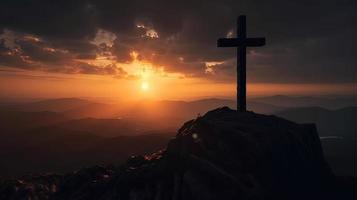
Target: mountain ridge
(223,154)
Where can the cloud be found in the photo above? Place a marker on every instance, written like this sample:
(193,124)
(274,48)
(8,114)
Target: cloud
(33,53)
(307,41)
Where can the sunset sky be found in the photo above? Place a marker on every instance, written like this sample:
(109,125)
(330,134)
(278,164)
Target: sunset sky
(167,49)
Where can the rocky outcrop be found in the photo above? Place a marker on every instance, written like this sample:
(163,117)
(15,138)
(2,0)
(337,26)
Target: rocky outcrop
(221,155)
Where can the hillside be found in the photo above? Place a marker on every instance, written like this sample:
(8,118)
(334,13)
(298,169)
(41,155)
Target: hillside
(60,150)
(146,118)
(221,155)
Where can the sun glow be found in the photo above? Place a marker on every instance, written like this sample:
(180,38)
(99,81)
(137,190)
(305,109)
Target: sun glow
(145,86)
(138,77)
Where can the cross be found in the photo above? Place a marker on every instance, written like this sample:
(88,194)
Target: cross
(241,42)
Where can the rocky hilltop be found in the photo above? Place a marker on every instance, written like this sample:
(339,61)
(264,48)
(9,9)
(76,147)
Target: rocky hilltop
(221,155)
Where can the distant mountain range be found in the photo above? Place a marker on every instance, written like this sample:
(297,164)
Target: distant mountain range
(151,115)
(223,154)
(328,102)
(340,122)
(62,134)
(338,132)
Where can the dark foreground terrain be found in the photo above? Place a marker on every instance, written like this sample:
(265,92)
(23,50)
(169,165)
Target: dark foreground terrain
(221,155)
(62,135)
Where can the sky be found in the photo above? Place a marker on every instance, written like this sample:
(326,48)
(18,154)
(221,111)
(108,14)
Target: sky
(167,49)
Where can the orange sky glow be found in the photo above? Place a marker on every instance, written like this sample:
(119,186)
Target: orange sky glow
(148,82)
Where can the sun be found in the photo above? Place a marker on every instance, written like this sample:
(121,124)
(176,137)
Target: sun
(145,86)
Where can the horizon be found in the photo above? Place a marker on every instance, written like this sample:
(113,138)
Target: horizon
(112,100)
(101,87)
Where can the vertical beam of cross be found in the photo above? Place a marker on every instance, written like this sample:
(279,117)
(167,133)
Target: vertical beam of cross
(241,42)
(241,65)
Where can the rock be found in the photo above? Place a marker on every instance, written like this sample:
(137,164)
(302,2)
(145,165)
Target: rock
(222,155)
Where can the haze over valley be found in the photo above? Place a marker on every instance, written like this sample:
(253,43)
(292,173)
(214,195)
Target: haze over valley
(60,135)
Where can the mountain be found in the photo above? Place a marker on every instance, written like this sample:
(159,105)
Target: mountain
(223,154)
(80,108)
(338,131)
(340,122)
(82,117)
(37,132)
(308,101)
(102,127)
(60,150)
(70,107)
(209,104)
(161,112)
(54,105)
(264,108)
(15,121)
(93,110)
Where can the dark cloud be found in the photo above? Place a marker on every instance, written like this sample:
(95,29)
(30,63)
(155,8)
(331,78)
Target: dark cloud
(9,57)
(307,41)
(40,52)
(71,19)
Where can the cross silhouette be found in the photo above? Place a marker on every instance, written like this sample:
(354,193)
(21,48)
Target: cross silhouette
(241,42)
